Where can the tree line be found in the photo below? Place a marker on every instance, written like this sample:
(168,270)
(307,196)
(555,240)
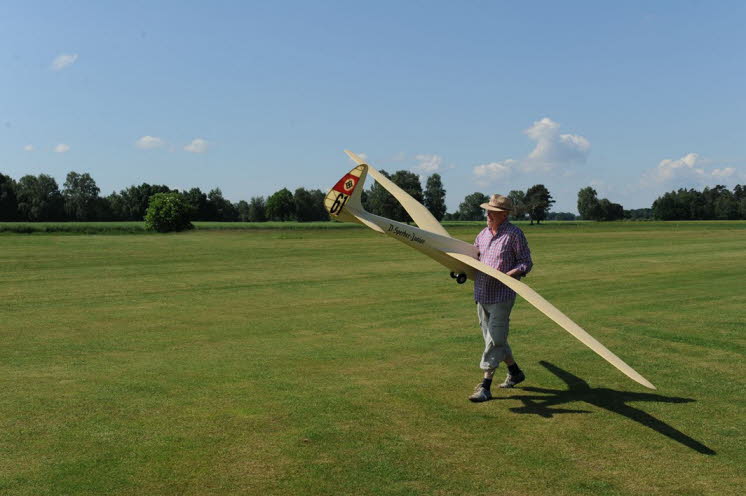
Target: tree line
(39,198)
(716,203)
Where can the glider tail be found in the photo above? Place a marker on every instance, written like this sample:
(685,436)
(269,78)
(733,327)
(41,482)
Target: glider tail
(343,201)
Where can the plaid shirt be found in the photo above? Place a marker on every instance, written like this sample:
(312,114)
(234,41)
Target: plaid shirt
(505,251)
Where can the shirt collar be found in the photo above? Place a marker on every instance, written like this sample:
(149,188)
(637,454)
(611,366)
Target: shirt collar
(500,229)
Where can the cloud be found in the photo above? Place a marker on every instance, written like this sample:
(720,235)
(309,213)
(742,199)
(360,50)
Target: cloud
(28,148)
(493,171)
(552,148)
(198,145)
(724,172)
(669,170)
(62,148)
(149,143)
(63,61)
(428,163)
(686,171)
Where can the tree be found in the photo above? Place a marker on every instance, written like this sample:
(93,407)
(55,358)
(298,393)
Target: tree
(380,201)
(538,201)
(135,199)
(435,196)
(197,201)
(470,208)
(8,199)
(519,204)
(588,204)
(364,200)
(739,192)
(168,212)
(726,206)
(280,206)
(221,209)
(304,208)
(409,182)
(243,211)
(117,208)
(80,194)
(317,200)
(609,210)
(309,205)
(560,216)
(39,198)
(639,214)
(257,209)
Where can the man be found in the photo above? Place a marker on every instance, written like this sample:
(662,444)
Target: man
(503,246)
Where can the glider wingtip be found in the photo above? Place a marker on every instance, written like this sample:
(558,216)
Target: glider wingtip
(648,384)
(354,157)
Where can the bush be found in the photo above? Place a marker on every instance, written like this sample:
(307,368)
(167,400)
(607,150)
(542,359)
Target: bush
(168,212)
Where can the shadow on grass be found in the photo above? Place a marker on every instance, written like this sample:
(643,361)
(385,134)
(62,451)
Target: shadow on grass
(608,399)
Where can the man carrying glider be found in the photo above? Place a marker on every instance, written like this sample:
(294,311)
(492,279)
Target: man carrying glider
(496,261)
(503,246)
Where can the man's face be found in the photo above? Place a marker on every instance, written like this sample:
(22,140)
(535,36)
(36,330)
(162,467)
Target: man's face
(494,219)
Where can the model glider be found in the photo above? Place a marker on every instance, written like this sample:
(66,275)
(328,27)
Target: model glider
(343,204)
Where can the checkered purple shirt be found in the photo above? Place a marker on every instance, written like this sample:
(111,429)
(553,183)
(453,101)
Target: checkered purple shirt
(505,251)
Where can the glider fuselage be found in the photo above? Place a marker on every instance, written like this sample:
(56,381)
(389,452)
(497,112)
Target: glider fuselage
(431,244)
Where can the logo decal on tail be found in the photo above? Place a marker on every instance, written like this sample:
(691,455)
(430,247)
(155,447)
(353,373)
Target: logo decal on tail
(343,191)
(346,184)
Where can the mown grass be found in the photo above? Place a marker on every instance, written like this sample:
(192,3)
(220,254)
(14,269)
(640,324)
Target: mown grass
(313,361)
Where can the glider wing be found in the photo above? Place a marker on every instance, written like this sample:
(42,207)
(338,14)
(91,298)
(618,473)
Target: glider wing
(553,313)
(421,215)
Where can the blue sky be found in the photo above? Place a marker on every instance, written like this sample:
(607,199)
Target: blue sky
(634,98)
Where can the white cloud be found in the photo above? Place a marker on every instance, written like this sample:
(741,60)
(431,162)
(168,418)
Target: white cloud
(724,172)
(64,60)
(669,170)
(149,143)
(428,163)
(62,148)
(28,148)
(552,148)
(198,145)
(493,171)
(687,171)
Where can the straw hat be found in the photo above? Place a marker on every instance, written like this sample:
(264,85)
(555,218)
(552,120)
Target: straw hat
(498,203)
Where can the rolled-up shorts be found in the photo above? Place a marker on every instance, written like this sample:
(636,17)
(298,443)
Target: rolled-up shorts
(494,319)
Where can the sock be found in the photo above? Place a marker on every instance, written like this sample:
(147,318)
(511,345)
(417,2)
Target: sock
(513,369)
(486,383)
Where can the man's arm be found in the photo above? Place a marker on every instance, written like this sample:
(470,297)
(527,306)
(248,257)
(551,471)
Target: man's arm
(522,256)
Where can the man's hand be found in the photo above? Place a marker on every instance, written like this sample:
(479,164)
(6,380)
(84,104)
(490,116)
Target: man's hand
(515,274)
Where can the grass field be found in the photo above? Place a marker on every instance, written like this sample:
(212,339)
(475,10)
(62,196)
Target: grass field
(338,361)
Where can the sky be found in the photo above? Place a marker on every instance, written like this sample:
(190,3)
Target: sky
(632,98)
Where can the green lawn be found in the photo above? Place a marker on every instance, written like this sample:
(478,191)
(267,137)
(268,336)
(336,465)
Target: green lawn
(338,361)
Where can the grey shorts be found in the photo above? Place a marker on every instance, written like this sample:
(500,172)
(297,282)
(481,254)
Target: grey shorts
(494,319)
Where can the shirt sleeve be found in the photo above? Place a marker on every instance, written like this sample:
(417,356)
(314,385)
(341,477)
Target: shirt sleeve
(522,253)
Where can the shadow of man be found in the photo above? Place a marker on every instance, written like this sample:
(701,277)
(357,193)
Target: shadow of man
(608,399)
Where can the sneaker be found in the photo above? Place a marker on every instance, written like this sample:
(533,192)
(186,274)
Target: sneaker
(480,394)
(512,380)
